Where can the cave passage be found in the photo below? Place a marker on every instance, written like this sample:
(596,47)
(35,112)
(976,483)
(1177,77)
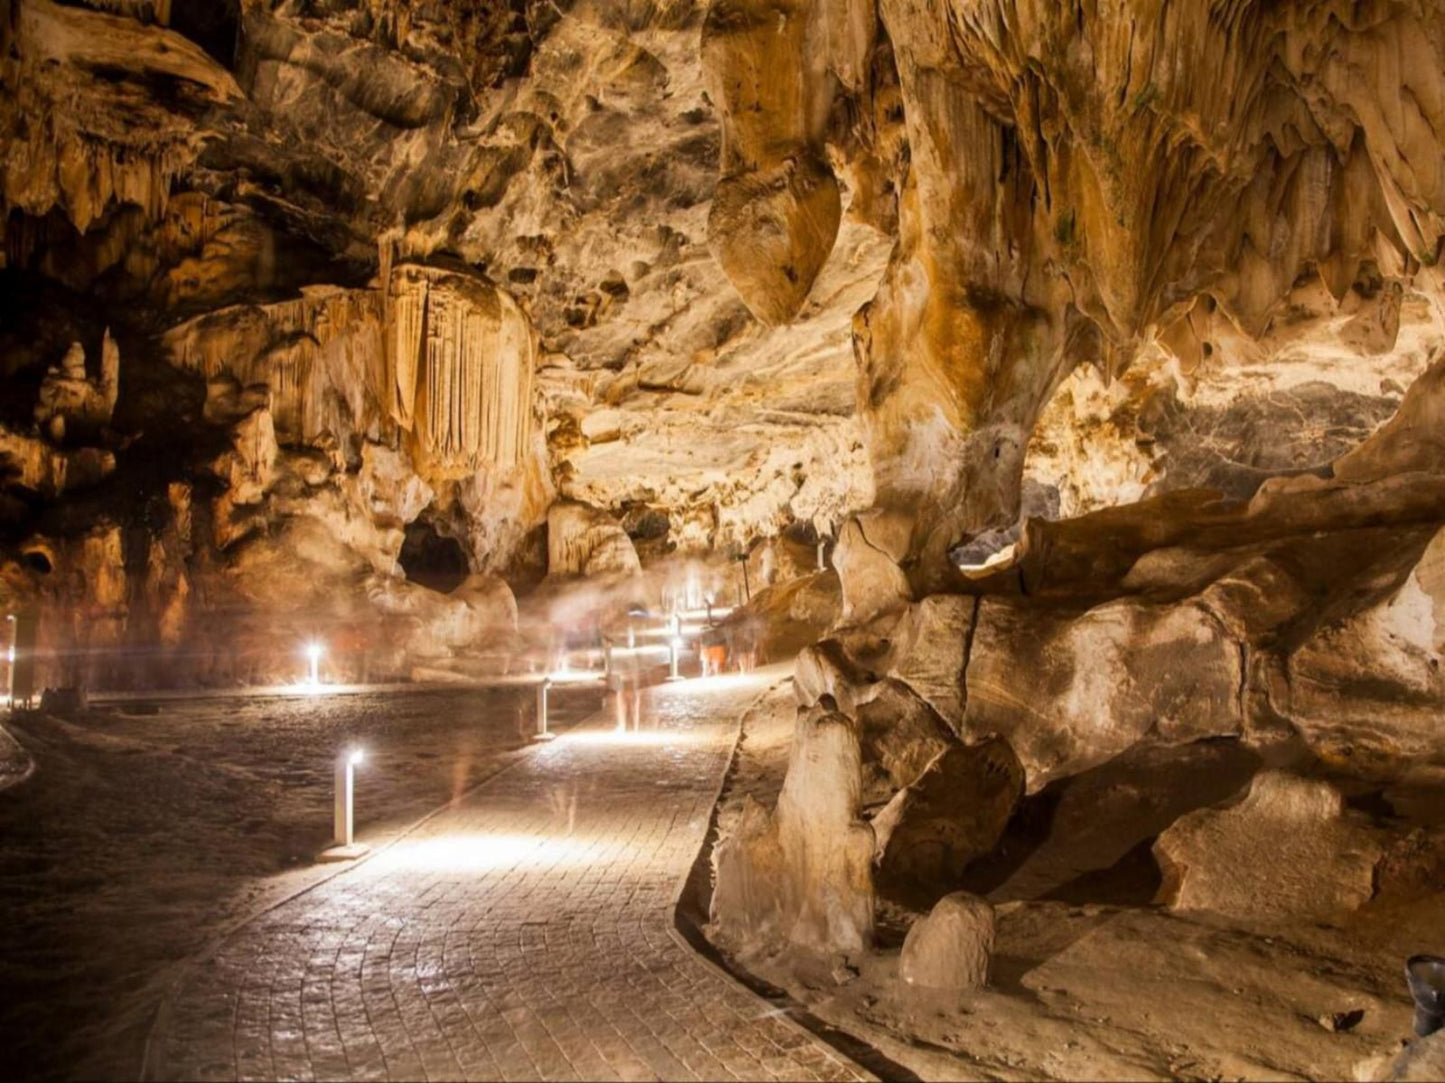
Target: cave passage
(432,559)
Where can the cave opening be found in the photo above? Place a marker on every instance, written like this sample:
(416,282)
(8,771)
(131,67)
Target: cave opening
(432,559)
(211,24)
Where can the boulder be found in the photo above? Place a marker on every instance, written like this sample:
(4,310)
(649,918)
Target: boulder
(901,735)
(866,558)
(804,874)
(950,949)
(1288,850)
(1072,690)
(930,651)
(954,812)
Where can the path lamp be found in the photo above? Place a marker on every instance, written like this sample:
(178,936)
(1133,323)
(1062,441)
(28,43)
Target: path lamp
(314,651)
(822,560)
(14,629)
(345,847)
(542,733)
(674,648)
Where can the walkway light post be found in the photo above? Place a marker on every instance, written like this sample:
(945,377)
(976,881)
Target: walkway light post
(313,656)
(674,648)
(542,733)
(346,765)
(13,627)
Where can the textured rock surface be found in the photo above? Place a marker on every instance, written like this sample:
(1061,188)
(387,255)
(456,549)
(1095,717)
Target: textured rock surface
(802,874)
(1070,691)
(951,948)
(1289,850)
(952,813)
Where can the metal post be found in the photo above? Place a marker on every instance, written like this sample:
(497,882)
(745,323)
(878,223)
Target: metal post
(14,628)
(345,800)
(822,562)
(672,661)
(542,732)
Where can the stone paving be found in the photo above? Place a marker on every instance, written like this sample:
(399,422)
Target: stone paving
(524,933)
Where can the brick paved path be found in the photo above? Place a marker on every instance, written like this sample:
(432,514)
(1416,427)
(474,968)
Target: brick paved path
(524,934)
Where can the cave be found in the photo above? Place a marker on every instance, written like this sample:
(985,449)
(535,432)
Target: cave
(722,539)
(436,561)
(211,24)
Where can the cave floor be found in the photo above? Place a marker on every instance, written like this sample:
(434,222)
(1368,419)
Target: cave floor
(525,932)
(1091,978)
(150,826)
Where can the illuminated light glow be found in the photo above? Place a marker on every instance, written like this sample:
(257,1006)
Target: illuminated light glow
(573,676)
(488,853)
(357,755)
(622,737)
(314,651)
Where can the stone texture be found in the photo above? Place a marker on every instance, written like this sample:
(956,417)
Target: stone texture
(952,813)
(1070,691)
(1288,851)
(802,875)
(866,558)
(950,949)
(930,652)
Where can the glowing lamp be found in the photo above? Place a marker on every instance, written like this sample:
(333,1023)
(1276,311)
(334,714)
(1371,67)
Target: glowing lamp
(345,846)
(543,734)
(314,651)
(674,648)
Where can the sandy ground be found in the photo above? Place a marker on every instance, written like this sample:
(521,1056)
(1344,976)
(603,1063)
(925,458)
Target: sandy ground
(148,829)
(1092,979)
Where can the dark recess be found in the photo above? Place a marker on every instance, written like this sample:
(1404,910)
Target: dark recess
(433,560)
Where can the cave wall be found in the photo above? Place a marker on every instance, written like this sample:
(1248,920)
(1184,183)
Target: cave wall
(991,269)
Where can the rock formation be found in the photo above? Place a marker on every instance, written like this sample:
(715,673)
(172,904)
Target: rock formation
(952,947)
(802,875)
(1100,346)
(1288,850)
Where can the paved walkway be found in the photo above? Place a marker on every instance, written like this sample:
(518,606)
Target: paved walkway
(526,933)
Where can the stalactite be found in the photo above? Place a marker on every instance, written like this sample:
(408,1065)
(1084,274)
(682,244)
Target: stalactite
(463,357)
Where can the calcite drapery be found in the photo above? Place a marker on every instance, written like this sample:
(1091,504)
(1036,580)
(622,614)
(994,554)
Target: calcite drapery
(461,357)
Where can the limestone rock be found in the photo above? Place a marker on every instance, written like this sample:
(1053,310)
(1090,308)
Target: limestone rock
(70,400)
(803,874)
(1368,688)
(586,541)
(867,558)
(930,650)
(249,468)
(901,735)
(824,669)
(1069,691)
(952,947)
(952,813)
(1289,850)
(772,231)
(39,466)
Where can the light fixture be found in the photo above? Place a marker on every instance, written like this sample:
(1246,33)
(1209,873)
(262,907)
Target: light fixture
(543,734)
(345,846)
(314,651)
(676,647)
